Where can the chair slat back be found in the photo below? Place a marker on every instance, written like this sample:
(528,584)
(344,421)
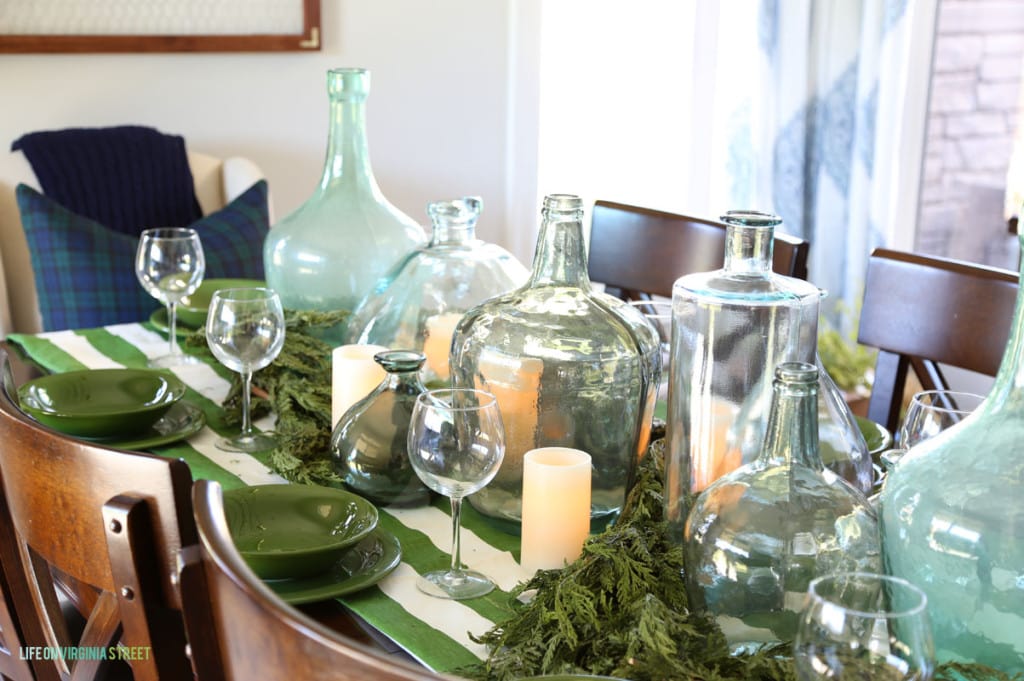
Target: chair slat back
(636,251)
(920,311)
(110,525)
(277,642)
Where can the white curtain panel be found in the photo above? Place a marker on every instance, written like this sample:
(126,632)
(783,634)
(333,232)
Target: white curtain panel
(812,103)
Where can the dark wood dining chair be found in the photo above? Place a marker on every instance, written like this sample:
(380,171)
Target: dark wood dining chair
(922,311)
(106,528)
(240,630)
(639,252)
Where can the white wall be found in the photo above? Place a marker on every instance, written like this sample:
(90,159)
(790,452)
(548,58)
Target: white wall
(439,110)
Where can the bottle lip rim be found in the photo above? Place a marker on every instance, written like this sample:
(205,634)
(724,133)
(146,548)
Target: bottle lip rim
(751,218)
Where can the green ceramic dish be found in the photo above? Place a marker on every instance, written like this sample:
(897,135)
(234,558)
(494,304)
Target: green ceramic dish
(192,309)
(181,421)
(293,531)
(101,403)
(360,566)
(877,436)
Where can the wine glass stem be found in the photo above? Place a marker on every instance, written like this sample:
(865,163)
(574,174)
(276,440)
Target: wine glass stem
(456,542)
(246,393)
(172,319)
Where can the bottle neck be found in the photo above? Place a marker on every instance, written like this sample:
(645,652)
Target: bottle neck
(1008,389)
(561,256)
(454,222)
(792,436)
(748,249)
(348,158)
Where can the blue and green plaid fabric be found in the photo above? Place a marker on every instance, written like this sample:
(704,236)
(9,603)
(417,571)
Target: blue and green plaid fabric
(85,273)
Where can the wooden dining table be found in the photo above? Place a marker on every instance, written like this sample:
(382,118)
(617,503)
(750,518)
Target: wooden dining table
(391,615)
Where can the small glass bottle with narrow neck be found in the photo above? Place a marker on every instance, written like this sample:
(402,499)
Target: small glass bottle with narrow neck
(757,536)
(368,445)
(569,366)
(729,328)
(330,252)
(418,303)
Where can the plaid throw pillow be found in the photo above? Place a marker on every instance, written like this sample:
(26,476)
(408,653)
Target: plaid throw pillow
(85,272)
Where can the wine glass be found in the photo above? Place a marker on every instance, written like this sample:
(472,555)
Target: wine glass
(245,332)
(932,411)
(170,264)
(659,314)
(861,625)
(456,443)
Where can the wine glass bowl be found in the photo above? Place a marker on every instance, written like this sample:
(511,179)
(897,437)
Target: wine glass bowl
(245,331)
(864,625)
(170,264)
(932,411)
(456,444)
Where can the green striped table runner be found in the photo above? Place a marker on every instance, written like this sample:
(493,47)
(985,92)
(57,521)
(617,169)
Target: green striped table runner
(434,631)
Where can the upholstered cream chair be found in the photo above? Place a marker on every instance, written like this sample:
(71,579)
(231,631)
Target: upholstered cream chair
(217,182)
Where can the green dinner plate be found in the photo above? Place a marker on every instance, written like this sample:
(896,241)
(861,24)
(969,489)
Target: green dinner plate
(361,566)
(295,531)
(181,421)
(160,321)
(101,403)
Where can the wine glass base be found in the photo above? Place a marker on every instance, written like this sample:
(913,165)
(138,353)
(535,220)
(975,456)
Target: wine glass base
(455,585)
(171,361)
(256,442)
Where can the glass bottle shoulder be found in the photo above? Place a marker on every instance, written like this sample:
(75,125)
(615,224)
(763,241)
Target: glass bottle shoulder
(745,288)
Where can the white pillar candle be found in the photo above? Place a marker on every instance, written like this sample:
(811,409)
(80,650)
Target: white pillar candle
(438,343)
(556,507)
(354,375)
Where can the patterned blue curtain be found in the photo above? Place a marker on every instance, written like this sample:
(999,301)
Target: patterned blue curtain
(806,94)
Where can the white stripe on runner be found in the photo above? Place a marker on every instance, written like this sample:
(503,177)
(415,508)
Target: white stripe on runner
(500,566)
(249,470)
(452,617)
(200,377)
(81,349)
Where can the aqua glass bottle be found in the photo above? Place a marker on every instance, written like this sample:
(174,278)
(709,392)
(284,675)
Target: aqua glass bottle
(328,254)
(569,366)
(757,536)
(953,522)
(368,445)
(418,303)
(730,327)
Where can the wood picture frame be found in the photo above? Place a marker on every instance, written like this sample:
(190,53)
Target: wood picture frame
(63,42)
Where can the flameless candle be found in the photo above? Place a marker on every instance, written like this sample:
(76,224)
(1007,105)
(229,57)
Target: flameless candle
(556,507)
(714,455)
(515,383)
(437,345)
(354,375)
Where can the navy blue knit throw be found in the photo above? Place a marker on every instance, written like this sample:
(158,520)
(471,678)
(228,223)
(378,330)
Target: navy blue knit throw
(128,178)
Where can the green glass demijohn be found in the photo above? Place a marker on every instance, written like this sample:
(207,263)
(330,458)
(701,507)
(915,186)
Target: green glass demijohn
(328,254)
(417,305)
(756,537)
(953,522)
(368,445)
(568,365)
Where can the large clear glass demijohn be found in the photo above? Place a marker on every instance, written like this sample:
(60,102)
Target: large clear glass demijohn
(757,536)
(417,305)
(569,366)
(730,328)
(330,252)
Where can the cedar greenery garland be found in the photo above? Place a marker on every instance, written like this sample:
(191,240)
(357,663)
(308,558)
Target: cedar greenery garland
(621,610)
(297,387)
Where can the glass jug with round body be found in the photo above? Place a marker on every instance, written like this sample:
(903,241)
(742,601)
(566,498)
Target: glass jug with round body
(569,366)
(419,302)
(369,443)
(953,522)
(757,536)
(729,328)
(328,254)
